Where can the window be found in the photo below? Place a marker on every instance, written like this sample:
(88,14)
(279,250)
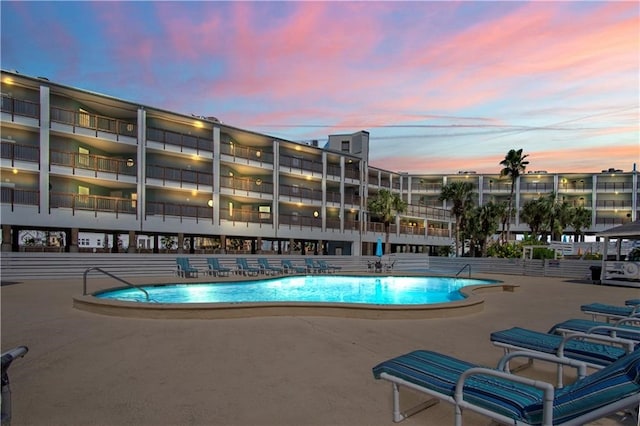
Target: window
(83,157)
(83,196)
(265,212)
(84,119)
(345,146)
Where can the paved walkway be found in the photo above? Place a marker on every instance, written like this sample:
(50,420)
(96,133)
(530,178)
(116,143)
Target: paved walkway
(88,369)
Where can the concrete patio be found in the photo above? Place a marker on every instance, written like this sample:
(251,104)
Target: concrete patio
(89,369)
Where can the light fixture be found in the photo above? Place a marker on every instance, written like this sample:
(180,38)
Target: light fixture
(258,181)
(210,203)
(15,171)
(130,162)
(129,127)
(231,174)
(258,154)
(316,214)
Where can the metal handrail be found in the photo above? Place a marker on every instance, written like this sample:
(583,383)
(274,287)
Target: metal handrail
(463,268)
(95,268)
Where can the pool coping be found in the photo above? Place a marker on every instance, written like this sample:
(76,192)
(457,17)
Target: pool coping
(473,303)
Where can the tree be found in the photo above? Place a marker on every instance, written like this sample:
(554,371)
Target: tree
(459,194)
(386,206)
(513,166)
(533,213)
(482,223)
(581,220)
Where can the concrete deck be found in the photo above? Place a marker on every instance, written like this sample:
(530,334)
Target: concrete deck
(88,369)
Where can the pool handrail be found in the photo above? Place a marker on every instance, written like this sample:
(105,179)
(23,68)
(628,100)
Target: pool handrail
(95,268)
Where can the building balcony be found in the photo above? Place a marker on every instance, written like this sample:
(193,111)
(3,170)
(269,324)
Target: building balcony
(246,155)
(82,123)
(97,164)
(614,187)
(299,194)
(166,139)
(19,153)
(92,203)
(248,187)
(20,197)
(173,210)
(302,166)
(20,108)
(182,177)
(242,216)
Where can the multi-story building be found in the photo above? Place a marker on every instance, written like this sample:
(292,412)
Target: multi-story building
(73,161)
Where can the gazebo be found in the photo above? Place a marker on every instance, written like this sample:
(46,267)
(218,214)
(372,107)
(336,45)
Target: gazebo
(618,271)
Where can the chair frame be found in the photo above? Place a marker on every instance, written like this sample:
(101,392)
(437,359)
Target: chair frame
(457,398)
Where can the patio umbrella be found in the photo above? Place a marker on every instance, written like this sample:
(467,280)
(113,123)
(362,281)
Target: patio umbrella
(379,248)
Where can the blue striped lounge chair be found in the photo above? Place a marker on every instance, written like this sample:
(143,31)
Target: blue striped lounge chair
(266,268)
(610,312)
(184,268)
(622,328)
(290,268)
(632,302)
(596,351)
(244,268)
(312,267)
(508,398)
(324,266)
(216,269)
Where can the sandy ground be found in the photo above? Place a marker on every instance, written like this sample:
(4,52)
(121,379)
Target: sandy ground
(88,369)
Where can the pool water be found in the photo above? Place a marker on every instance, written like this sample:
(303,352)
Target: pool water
(378,290)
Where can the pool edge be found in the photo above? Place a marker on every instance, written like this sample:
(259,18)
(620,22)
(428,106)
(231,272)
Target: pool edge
(473,303)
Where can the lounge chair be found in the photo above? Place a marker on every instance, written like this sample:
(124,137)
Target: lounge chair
(596,351)
(244,268)
(216,269)
(610,312)
(623,328)
(266,268)
(632,302)
(290,268)
(184,269)
(312,267)
(324,266)
(508,398)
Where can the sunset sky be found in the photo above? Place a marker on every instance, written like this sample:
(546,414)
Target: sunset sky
(441,86)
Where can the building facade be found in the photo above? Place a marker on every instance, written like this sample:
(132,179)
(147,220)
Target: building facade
(77,162)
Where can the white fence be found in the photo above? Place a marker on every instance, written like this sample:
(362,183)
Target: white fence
(16,266)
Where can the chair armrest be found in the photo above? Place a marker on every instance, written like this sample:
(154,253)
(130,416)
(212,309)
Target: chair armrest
(580,366)
(629,344)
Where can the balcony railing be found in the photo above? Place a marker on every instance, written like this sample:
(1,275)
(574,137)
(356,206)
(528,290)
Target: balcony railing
(246,152)
(95,163)
(438,232)
(94,203)
(614,204)
(428,212)
(165,210)
(20,107)
(300,193)
(298,221)
(21,197)
(181,176)
(614,186)
(536,187)
(301,164)
(426,186)
(17,152)
(246,184)
(183,140)
(97,123)
(246,216)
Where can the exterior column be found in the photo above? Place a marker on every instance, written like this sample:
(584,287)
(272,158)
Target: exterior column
(223,244)
(259,245)
(133,243)
(73,242)
(6,238)
(180,242)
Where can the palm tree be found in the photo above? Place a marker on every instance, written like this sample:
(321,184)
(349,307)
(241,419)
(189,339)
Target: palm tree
(482,223)
(459,193)
(514,165)
(386,206)
(581,219)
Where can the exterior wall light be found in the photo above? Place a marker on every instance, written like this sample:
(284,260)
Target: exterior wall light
(258,181)
(210,203)
(130,162)
(316,214)
(258,154)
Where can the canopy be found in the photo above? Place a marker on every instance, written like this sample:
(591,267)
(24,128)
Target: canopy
(628,230)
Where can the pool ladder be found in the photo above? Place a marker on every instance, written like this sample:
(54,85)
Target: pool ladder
(467,266)
(95,268)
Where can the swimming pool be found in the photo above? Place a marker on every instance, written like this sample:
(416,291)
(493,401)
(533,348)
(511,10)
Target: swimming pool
(346,296)
(387,290)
